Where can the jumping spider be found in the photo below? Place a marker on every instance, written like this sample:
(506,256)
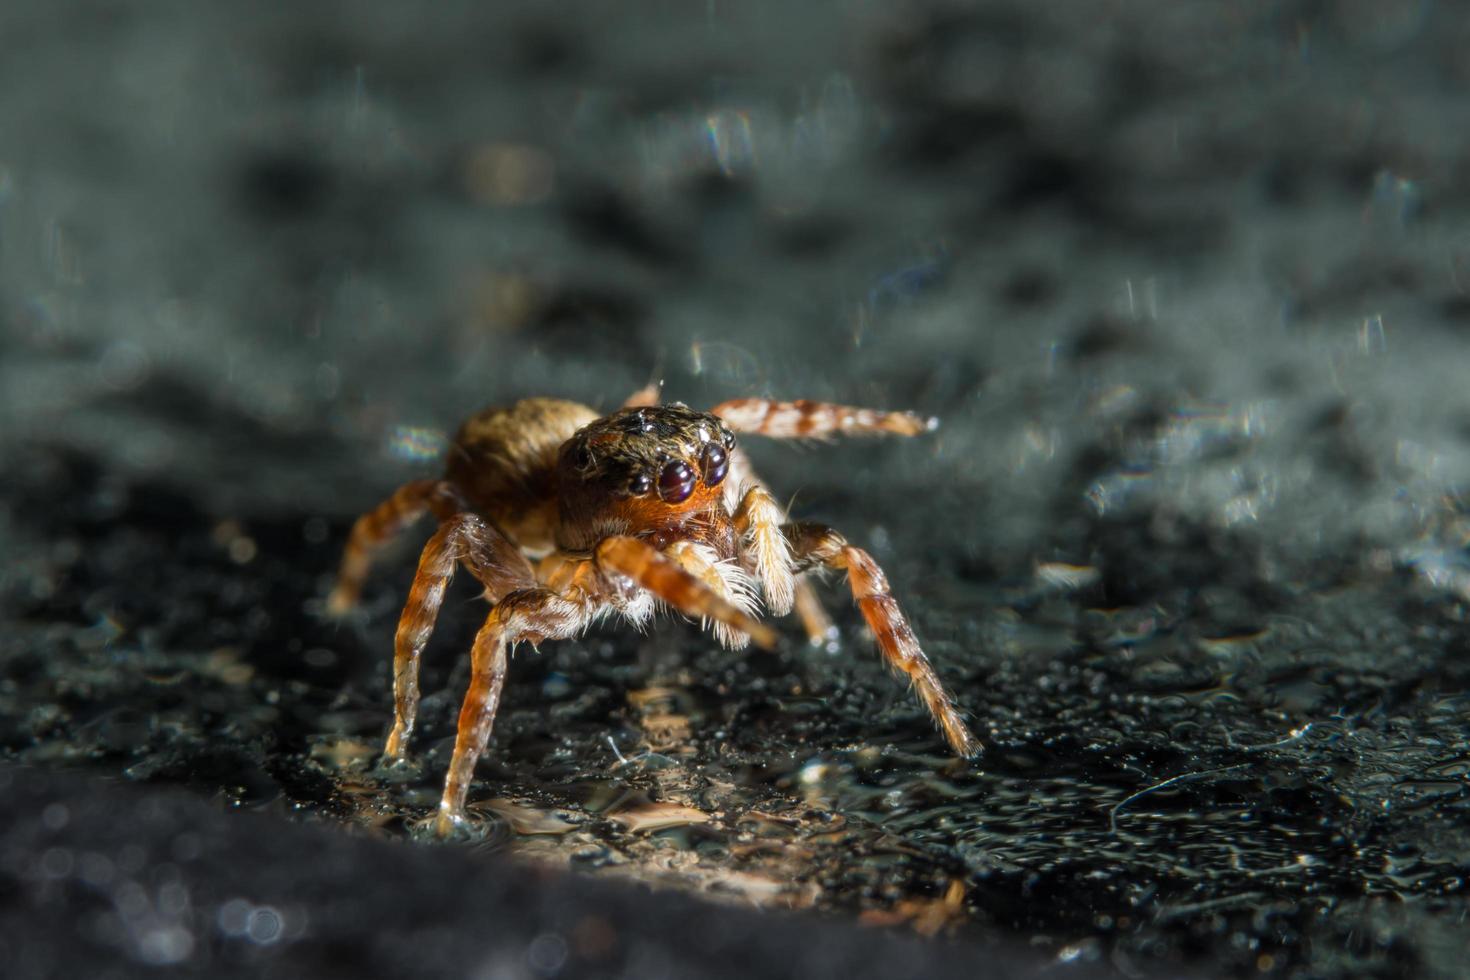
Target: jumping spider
(565,517)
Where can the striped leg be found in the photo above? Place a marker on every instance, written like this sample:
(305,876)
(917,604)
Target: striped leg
(533,614)
(815,544)
(816,420)
(491,558)
(646,396)
(380,525)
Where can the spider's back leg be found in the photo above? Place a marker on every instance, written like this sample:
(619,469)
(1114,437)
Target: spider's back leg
(380,525)
(491,558)
(533,614)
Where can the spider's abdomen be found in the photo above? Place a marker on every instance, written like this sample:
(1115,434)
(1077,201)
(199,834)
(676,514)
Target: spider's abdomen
(504,462)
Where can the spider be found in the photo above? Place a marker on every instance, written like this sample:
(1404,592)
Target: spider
(565,517)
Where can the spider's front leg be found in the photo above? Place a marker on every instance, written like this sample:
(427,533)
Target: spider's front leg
(380,525)
(650,569)
(533,614)
(816,544)
(820,630)
(491,558)
(758,520)
(726,580)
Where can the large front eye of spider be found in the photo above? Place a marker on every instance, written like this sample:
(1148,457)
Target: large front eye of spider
(715,462)
(675,481)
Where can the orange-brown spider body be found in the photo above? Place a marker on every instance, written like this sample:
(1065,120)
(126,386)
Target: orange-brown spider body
(565,516)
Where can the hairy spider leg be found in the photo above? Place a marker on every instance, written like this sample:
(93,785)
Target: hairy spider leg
(380,525)
(814,544)
(698,560)
(533,614)
(491,558)
(652,570)
(816,420)
(758,520)
(818,625)
(538,614)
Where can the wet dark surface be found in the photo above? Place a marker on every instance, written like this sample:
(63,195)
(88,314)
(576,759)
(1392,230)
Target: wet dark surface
(1186,289)
(134,881)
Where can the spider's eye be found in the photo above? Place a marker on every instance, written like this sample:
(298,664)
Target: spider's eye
(582,458)
(640,484)
(729,438)
(675,481)
(716,462)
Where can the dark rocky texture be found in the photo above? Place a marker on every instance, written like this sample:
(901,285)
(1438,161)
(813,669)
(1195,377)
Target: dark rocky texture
(1185,283)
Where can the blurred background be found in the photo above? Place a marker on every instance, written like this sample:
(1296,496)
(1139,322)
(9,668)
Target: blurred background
(1188,286)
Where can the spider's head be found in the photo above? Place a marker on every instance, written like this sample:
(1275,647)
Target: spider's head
(642,468)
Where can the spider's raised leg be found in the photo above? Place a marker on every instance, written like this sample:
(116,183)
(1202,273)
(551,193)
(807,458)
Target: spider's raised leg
(816,544)
(649,569)
(645,397)
(533,614)
(380,525)
(816,420)
(491,558)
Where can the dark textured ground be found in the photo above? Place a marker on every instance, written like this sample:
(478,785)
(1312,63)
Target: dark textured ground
(1188,285)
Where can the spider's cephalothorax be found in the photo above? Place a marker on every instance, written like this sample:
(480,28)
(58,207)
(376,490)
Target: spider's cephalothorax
(657,469)
(564,516)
